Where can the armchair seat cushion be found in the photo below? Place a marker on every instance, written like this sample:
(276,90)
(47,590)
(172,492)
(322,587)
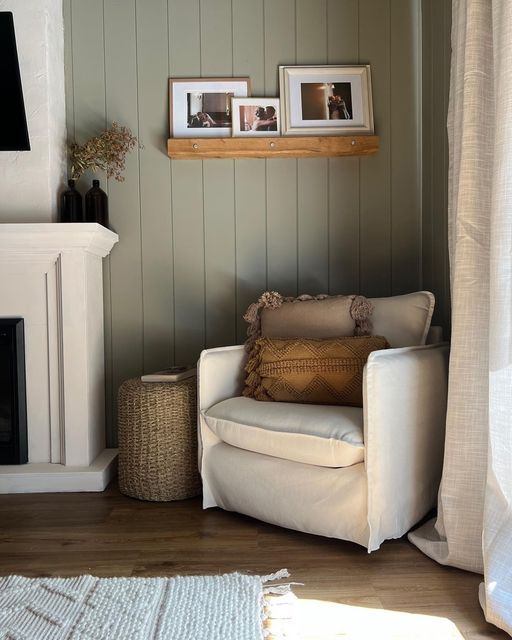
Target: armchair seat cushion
(322,435)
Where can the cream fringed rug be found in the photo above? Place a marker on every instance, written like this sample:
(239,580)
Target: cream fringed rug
(227,607)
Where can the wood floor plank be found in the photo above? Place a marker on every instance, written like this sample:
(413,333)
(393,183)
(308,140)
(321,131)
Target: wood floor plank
(342,586)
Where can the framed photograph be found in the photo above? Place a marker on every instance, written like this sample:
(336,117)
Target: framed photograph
(201,107)
(326,100)
(253,117)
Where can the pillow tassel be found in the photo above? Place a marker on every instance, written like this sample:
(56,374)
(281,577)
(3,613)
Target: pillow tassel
(253,387)
(251,314)
(253,380)
(268,300)
(361,311)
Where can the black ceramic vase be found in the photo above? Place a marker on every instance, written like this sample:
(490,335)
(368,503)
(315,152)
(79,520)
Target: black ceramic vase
(71,209)
(96,205)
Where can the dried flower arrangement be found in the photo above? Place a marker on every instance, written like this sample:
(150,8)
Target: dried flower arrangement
(106,152)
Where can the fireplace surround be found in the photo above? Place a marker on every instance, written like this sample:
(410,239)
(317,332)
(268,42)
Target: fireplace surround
(52,277)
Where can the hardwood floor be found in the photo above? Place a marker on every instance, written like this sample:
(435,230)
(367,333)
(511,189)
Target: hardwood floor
(344,589)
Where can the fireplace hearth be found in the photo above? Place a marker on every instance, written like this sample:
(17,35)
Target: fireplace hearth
(13,402)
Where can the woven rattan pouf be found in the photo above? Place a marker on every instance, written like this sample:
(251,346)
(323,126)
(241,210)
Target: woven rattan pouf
(158,440)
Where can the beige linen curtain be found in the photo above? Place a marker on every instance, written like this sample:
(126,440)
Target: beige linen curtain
(474,525)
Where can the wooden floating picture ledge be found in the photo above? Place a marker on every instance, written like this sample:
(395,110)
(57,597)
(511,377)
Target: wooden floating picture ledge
(276,147)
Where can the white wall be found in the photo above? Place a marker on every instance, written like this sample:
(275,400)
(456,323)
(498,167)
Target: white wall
(30,180)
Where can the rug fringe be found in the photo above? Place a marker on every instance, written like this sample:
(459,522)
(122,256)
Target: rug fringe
(282,573)
(278,607)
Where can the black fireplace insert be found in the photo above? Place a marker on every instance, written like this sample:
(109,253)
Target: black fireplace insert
(13,403)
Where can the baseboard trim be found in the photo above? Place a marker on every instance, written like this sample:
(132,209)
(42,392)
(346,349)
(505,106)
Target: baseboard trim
(58,478)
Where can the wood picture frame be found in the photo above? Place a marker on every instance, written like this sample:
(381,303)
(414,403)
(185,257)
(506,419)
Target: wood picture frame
(201,107)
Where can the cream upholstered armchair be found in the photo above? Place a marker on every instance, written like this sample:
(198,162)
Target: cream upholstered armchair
(360,474)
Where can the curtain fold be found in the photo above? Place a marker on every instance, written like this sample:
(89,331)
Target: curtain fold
(473,529)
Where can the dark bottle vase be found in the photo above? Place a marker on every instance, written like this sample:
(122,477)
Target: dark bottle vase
(96,205)
(71,209)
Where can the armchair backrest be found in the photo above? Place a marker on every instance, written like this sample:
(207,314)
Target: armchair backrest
(403,320)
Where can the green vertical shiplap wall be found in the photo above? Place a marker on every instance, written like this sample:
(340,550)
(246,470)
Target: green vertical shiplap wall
(436,31)
(199,240)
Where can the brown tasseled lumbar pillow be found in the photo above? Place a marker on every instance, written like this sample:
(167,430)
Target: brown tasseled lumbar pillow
(310,370)
(306,316)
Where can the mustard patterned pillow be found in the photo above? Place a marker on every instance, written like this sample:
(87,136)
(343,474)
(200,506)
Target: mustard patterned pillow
(307,370)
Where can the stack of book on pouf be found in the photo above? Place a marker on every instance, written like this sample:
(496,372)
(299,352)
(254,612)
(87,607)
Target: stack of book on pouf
(173,374)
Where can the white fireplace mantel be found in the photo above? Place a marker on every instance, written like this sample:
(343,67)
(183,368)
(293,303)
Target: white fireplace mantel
(47,237)
(52,276)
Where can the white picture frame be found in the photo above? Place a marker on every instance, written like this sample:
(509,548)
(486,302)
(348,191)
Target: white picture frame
(326,100)
(253,117)
(201,107)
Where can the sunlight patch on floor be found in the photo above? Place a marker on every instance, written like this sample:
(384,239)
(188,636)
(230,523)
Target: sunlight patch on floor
(321,620)
(325,620)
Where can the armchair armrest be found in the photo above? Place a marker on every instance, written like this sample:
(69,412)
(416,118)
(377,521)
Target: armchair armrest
(404,401)
(221,375)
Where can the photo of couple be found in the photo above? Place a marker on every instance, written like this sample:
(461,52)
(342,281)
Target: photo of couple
(201,119)
(258,118)
(338,109)
(208,109)
(326,100)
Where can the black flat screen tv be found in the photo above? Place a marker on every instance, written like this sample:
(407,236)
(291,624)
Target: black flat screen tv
(13,122)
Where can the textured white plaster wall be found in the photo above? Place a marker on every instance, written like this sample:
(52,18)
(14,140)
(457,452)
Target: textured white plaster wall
(30,180)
